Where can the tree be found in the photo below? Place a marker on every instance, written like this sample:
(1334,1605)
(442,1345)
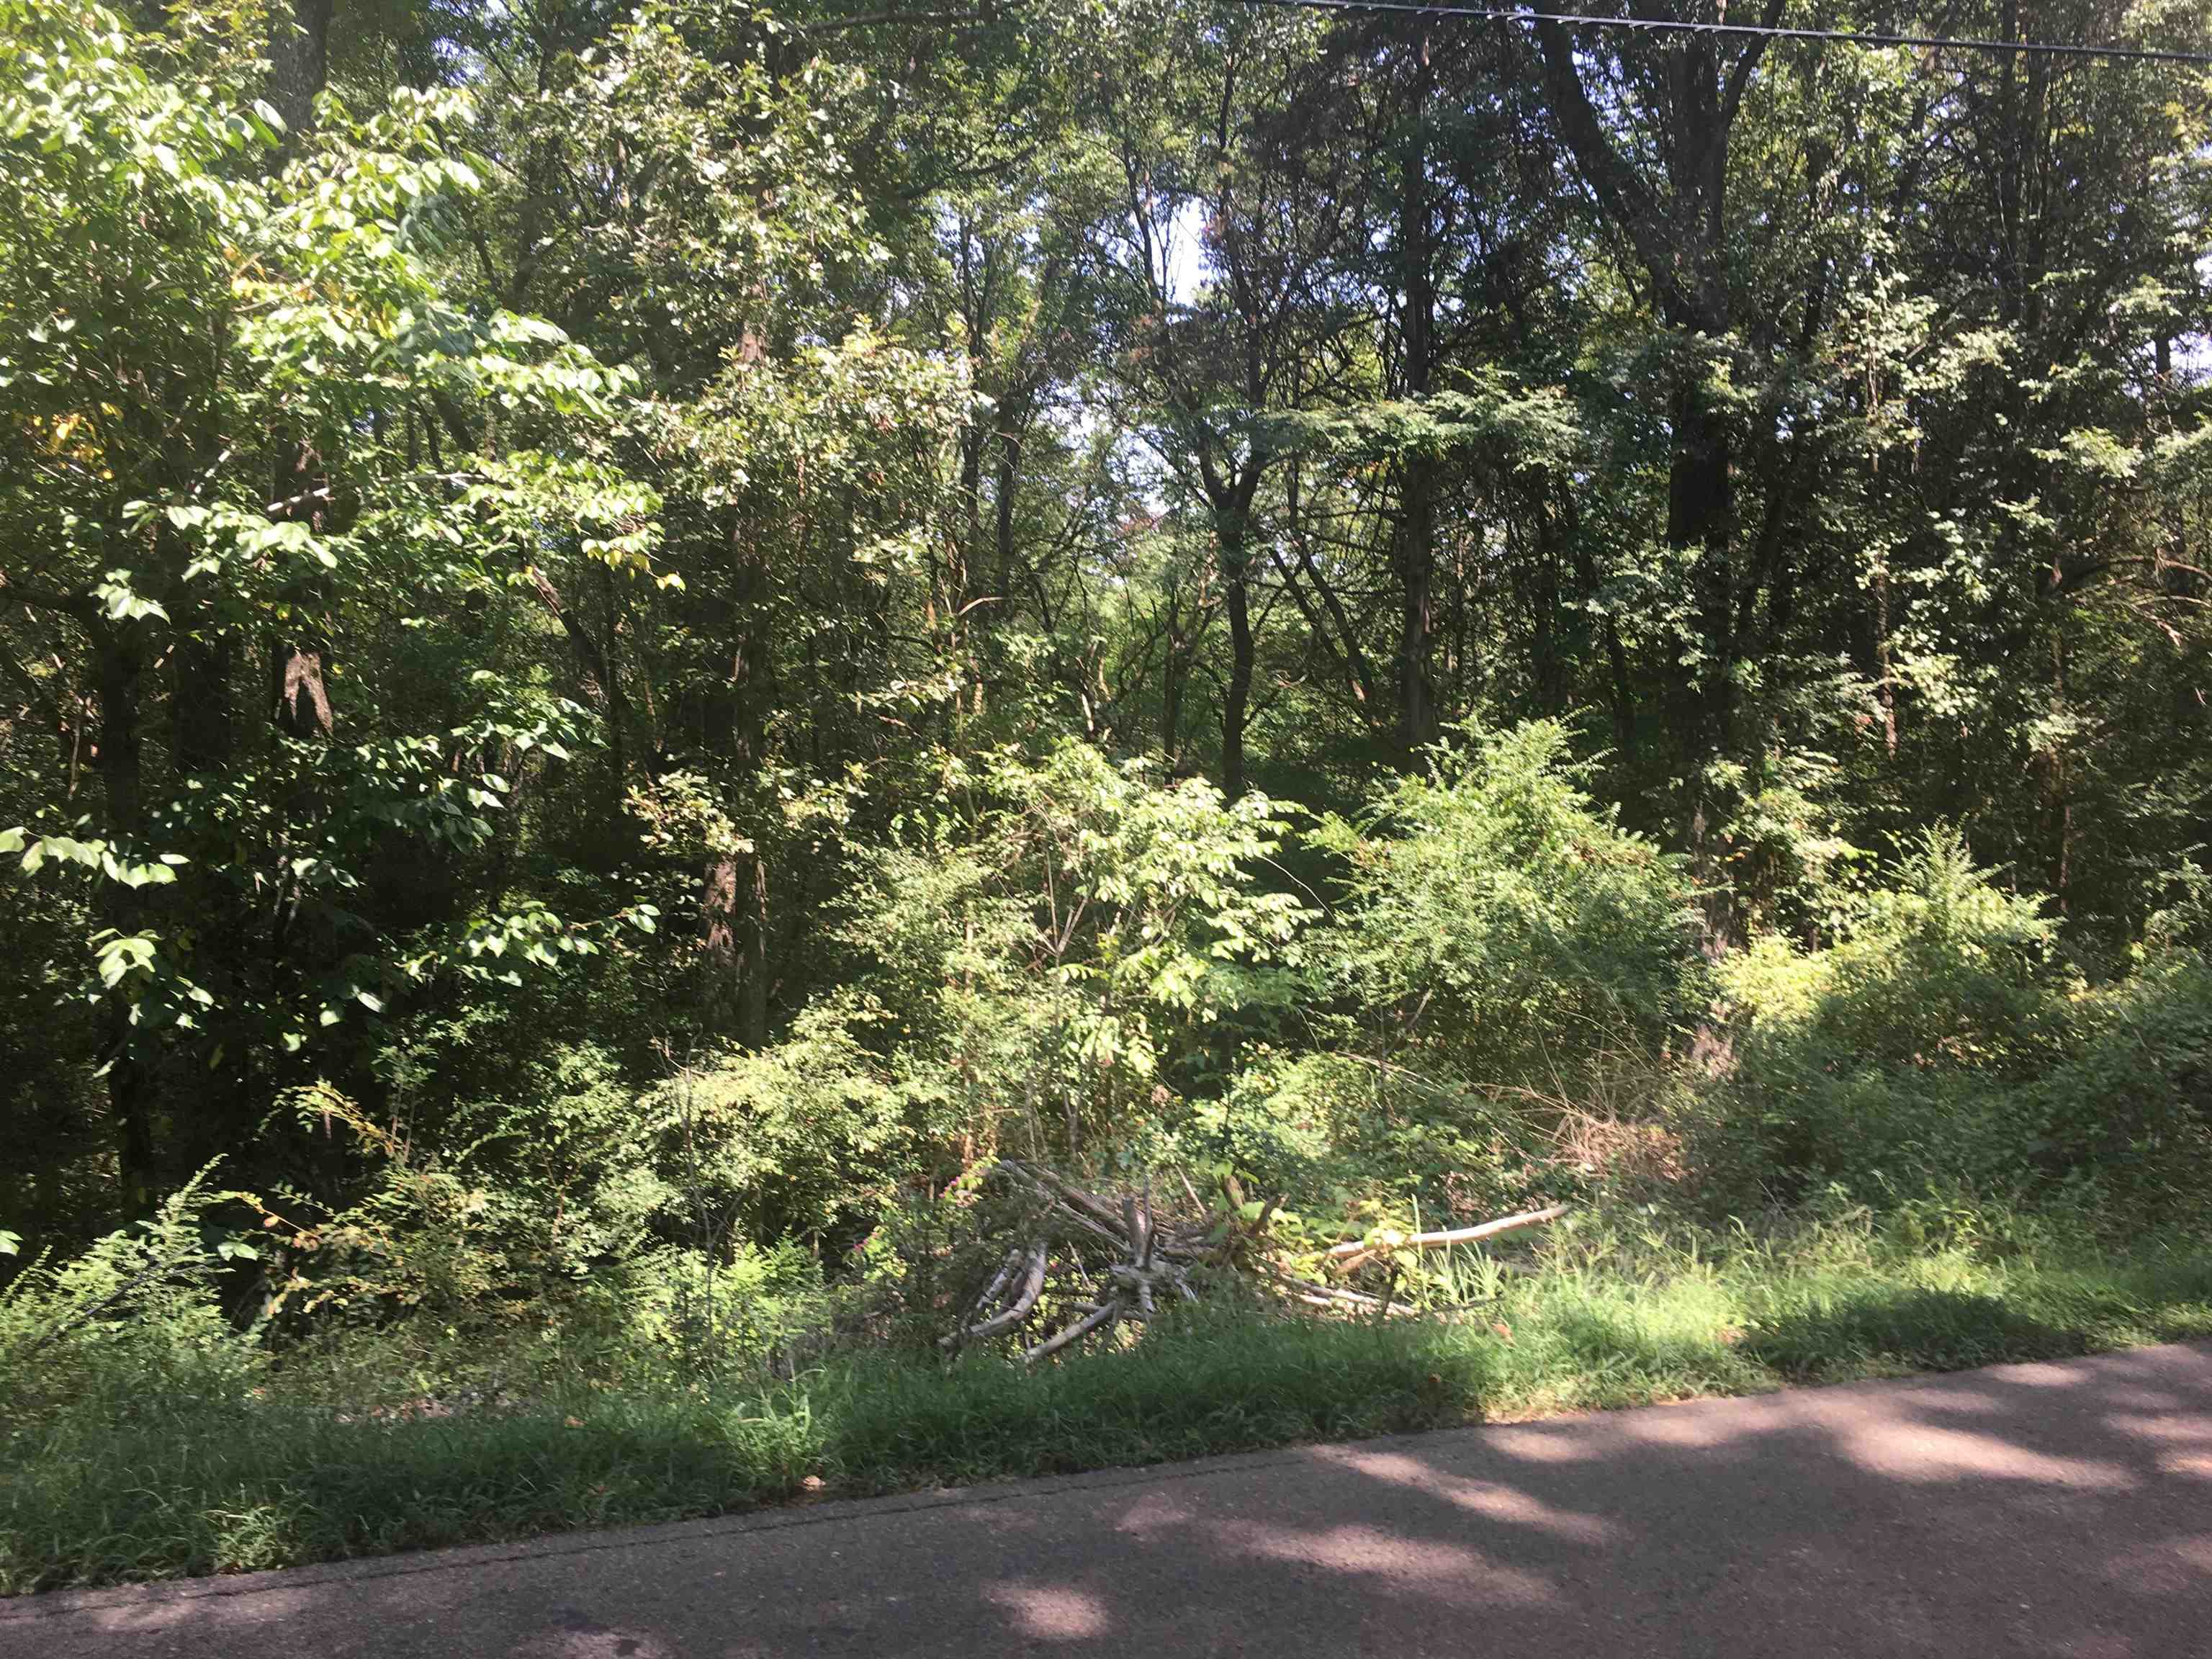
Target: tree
(177,309)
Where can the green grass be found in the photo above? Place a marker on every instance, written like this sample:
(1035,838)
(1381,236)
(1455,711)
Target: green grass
(170,1487)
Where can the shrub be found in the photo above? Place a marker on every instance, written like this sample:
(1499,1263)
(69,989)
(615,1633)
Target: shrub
(1943,969)
(1360,1142)
(133,1326)
(1944,1046)
(473,1220)
(1497,923)
(1048,963)
(801,1138)
(2129,1103)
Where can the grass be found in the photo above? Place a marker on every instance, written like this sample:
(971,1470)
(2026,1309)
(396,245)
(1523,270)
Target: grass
(161,1486)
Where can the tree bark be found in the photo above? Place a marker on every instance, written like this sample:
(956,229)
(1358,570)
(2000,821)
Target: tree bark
(733,923)
(121,666)
(1237,698)
(1171,680)
(967,548)
(1699,512)
(301,705)
(1679,235)
(299,64)
(1009,462)
(1418,722)
(201,717)
(1621,687)
(600,675)
(299,70)
(734,897)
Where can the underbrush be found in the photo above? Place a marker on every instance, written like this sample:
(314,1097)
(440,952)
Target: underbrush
(1944,1042)
(1917,1135)
(394,1443)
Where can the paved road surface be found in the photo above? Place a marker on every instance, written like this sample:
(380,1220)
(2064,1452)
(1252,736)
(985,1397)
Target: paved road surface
(2028,1509)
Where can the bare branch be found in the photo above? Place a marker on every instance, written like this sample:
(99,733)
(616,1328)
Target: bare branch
(1361,1249)
(1105,1314)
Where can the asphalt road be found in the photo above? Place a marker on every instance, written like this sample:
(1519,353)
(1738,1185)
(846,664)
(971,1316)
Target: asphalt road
(2027,1510)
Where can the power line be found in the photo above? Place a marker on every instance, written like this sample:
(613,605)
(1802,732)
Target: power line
(1678,25)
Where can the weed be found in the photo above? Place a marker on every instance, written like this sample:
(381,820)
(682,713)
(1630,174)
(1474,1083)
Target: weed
(1624,1311)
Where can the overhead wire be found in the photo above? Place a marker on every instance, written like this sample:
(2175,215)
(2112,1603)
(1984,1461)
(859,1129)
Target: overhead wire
(1687,26)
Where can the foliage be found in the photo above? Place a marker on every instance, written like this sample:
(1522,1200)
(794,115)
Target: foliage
(1503,926)
(1062,952)
(1627,1313)
(135,1322)
(1941,1044)
(139,495)
(636,642)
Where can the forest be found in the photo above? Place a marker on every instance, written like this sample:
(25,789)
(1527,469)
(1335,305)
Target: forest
(750,747)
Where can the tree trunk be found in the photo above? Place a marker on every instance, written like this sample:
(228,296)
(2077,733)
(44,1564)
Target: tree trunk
(733,920)
(1885,679)
(299,64)
(598,673)
(960,574)
(1547,664)
(1171,678)
(1679,235)
(1621,687)
(300,655)
(1698,514)
(299,70)
(1009,462)
(734,898)
(1699,495)
(202,733)
(752,1012)
(301,705)
(121,663)
(1237,699)
(1418,720)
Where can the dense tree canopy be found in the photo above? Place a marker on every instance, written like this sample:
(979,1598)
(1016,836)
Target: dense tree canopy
(1092,578)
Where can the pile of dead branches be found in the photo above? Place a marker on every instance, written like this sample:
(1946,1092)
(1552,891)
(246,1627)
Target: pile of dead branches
(1135,1256)
(1132,1253)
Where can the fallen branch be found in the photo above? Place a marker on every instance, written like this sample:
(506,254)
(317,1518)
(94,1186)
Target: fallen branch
(1105,1314)
(1149,1260)
(1336,1298)
(1321,1296)
(1357,1252)
(1014,1312)
(1069,1193)
(1153,1255)
(1005,1273)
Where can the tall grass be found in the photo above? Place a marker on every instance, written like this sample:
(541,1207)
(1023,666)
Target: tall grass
(302,1470)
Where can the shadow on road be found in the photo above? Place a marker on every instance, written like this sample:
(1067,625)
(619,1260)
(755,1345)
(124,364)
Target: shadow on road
(2041,1510)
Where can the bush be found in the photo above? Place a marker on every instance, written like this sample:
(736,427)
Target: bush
(1364,1142)
(1498,923)
(1943,1045)
(2129,1103)
(1944,970)
(802,1139)
(471,1223)
(132,1328)
(1049,963)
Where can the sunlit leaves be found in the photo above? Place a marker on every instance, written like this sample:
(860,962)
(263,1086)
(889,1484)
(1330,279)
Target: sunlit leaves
(36,851)
(225,373)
